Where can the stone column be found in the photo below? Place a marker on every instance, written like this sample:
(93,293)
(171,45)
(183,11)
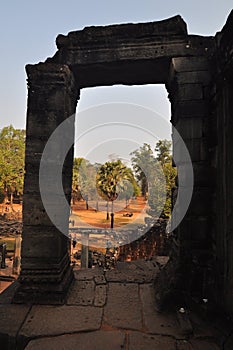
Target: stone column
(85,250)
(45,264)
(189,270)
(222,158)
(189,94)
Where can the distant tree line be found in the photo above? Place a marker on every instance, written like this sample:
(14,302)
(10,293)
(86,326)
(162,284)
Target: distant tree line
(150,175)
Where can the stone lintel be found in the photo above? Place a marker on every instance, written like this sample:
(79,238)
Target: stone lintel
(101,65)
(107,34)
(163,47)
(111,55)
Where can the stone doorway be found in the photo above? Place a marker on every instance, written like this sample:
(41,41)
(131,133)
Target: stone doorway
(159,52)
(106,129)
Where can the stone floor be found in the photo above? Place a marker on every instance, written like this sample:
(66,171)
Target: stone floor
(106,310)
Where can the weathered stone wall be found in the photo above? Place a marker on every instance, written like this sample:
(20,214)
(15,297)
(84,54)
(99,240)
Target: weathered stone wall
(221,157)
(201,92)
(189,271)
(189,94)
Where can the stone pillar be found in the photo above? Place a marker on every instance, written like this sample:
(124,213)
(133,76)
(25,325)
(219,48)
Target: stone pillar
(45,264)
(189,94)
(85,250)
(222,159)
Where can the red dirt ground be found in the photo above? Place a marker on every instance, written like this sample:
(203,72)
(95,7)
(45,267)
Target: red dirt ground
(83,217)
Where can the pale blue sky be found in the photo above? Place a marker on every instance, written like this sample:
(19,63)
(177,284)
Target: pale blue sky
(29,28)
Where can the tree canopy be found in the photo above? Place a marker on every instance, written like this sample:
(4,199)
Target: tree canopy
(142,162)
(156,175)
(84,180)
(164,157)
(111,177)
(12,145)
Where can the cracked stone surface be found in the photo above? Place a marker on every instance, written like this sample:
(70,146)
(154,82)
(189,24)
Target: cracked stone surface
(100,295)
(140,341)
(103,313)
(100,279)
(88,274)
(140,272)
(10,324)
(81,293)
(154,321)
(123,309)
(52,320)
(84,341)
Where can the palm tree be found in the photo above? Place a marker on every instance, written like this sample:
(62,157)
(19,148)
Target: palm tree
(109,178)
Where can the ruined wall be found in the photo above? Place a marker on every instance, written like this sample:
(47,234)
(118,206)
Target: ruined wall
(201,257)
(221,155)
(189,271)
(190,92)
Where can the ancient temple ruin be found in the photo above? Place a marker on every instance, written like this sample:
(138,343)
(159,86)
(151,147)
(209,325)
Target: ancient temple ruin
(198,74)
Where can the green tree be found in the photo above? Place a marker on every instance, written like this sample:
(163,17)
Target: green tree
(164,157)
(83,183)
(109,181)
(163,150)
(156,175)
(12,145)
(76,194)
(92,190)
(143,162)
(128,189)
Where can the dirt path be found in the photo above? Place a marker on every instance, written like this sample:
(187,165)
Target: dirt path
(83,217)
